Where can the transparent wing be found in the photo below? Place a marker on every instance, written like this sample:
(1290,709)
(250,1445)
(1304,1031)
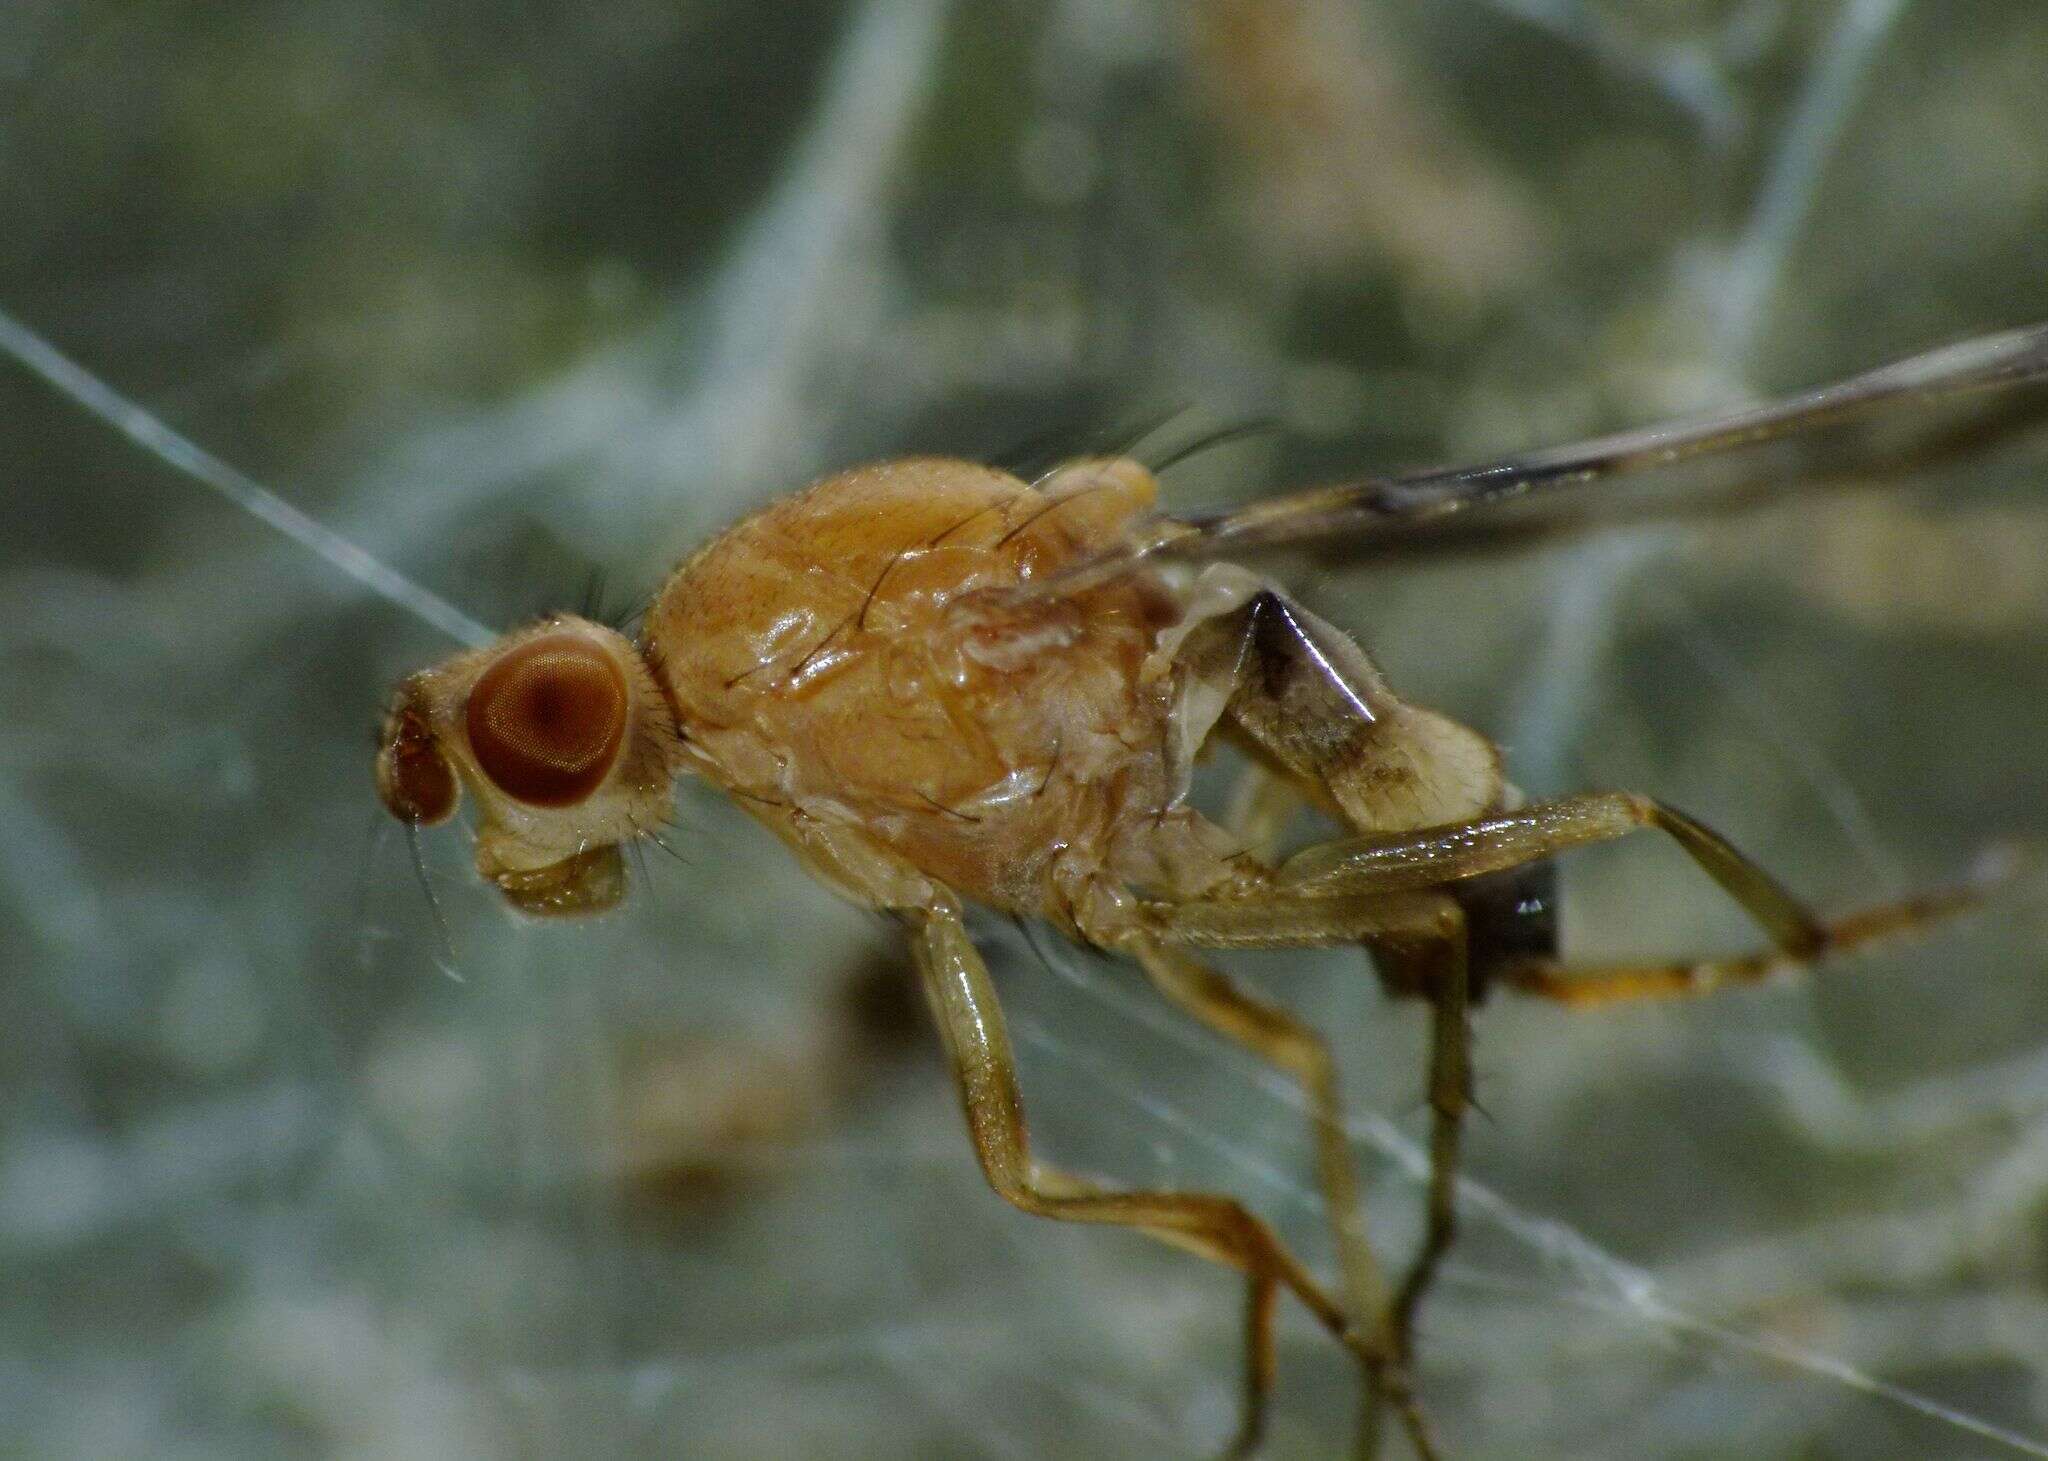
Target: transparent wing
(1360,511)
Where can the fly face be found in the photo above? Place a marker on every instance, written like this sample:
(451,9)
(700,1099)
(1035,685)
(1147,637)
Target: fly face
(561,735)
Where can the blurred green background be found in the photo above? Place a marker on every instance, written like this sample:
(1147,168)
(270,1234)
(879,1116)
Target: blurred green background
(508,293)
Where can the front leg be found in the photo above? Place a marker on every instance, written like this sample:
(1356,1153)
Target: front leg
(1219,1228)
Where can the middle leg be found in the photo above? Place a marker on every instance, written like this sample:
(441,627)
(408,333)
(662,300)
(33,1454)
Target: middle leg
(1420,940)
(1291,1045)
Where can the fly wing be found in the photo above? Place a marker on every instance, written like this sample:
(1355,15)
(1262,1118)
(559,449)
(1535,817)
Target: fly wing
(1373,507)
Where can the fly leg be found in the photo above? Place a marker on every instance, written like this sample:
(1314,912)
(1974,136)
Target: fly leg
(1287,1043)
(1420,935)
(1317,721)
(1218,1228)
(1438,856)
(1392,892)
(1588,986)
(1311,710)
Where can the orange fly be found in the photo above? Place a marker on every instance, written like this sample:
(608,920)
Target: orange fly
(940,685)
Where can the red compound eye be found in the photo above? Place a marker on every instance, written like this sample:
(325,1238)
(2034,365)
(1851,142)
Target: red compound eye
(546,720)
